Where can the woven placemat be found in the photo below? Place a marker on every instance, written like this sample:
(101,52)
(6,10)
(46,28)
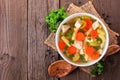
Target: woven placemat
(87,8)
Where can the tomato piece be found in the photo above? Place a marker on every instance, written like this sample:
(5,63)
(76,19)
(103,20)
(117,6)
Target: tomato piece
(88,24)
(80,36)
(72,50)
(94,34)
(61,45)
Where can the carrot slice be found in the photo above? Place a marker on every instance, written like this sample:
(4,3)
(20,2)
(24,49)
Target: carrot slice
(95,56)
(89,50)
(61,45)
(94,34)
(80,36)
(72,50)
(88,24)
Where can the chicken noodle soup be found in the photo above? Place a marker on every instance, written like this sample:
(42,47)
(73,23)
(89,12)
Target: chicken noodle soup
(82,39)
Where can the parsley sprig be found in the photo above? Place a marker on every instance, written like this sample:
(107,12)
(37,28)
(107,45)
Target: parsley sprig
(98,69)
(54,18)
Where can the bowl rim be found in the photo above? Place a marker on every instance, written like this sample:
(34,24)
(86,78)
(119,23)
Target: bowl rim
(88,63)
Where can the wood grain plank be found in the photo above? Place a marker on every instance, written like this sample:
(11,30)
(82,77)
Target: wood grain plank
(13,40)
(77,74)
(39,55)
(108,9)
(73,75)
(65,3)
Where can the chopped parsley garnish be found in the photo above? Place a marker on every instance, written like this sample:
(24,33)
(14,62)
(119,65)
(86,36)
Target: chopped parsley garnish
(99,40)
(71,55)
(69,34)
(82,57)
(96,47)
(71,41)
(66,47)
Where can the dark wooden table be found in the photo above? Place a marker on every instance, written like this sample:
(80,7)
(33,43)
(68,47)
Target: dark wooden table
(24,56)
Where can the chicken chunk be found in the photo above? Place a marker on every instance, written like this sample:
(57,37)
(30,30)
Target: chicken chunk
(78,44)
(95,25)
(65,28)
(78,23)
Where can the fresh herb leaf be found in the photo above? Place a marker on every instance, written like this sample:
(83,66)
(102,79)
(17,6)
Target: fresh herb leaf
(71,55)
(54,18)
(89,38)
(96,47)
(71,42)
(94,71)
(69,34)
(72,24)
(64,52)
(100,64)
(82,57)
(66,47)
(81,30)
(98,69)
(99,40)
(93,20)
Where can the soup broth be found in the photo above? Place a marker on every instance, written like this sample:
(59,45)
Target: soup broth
(82,39)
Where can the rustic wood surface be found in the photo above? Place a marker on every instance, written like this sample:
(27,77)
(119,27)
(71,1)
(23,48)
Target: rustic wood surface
(23,55)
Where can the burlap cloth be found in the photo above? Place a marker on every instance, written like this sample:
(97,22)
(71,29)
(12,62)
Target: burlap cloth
(87,8)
